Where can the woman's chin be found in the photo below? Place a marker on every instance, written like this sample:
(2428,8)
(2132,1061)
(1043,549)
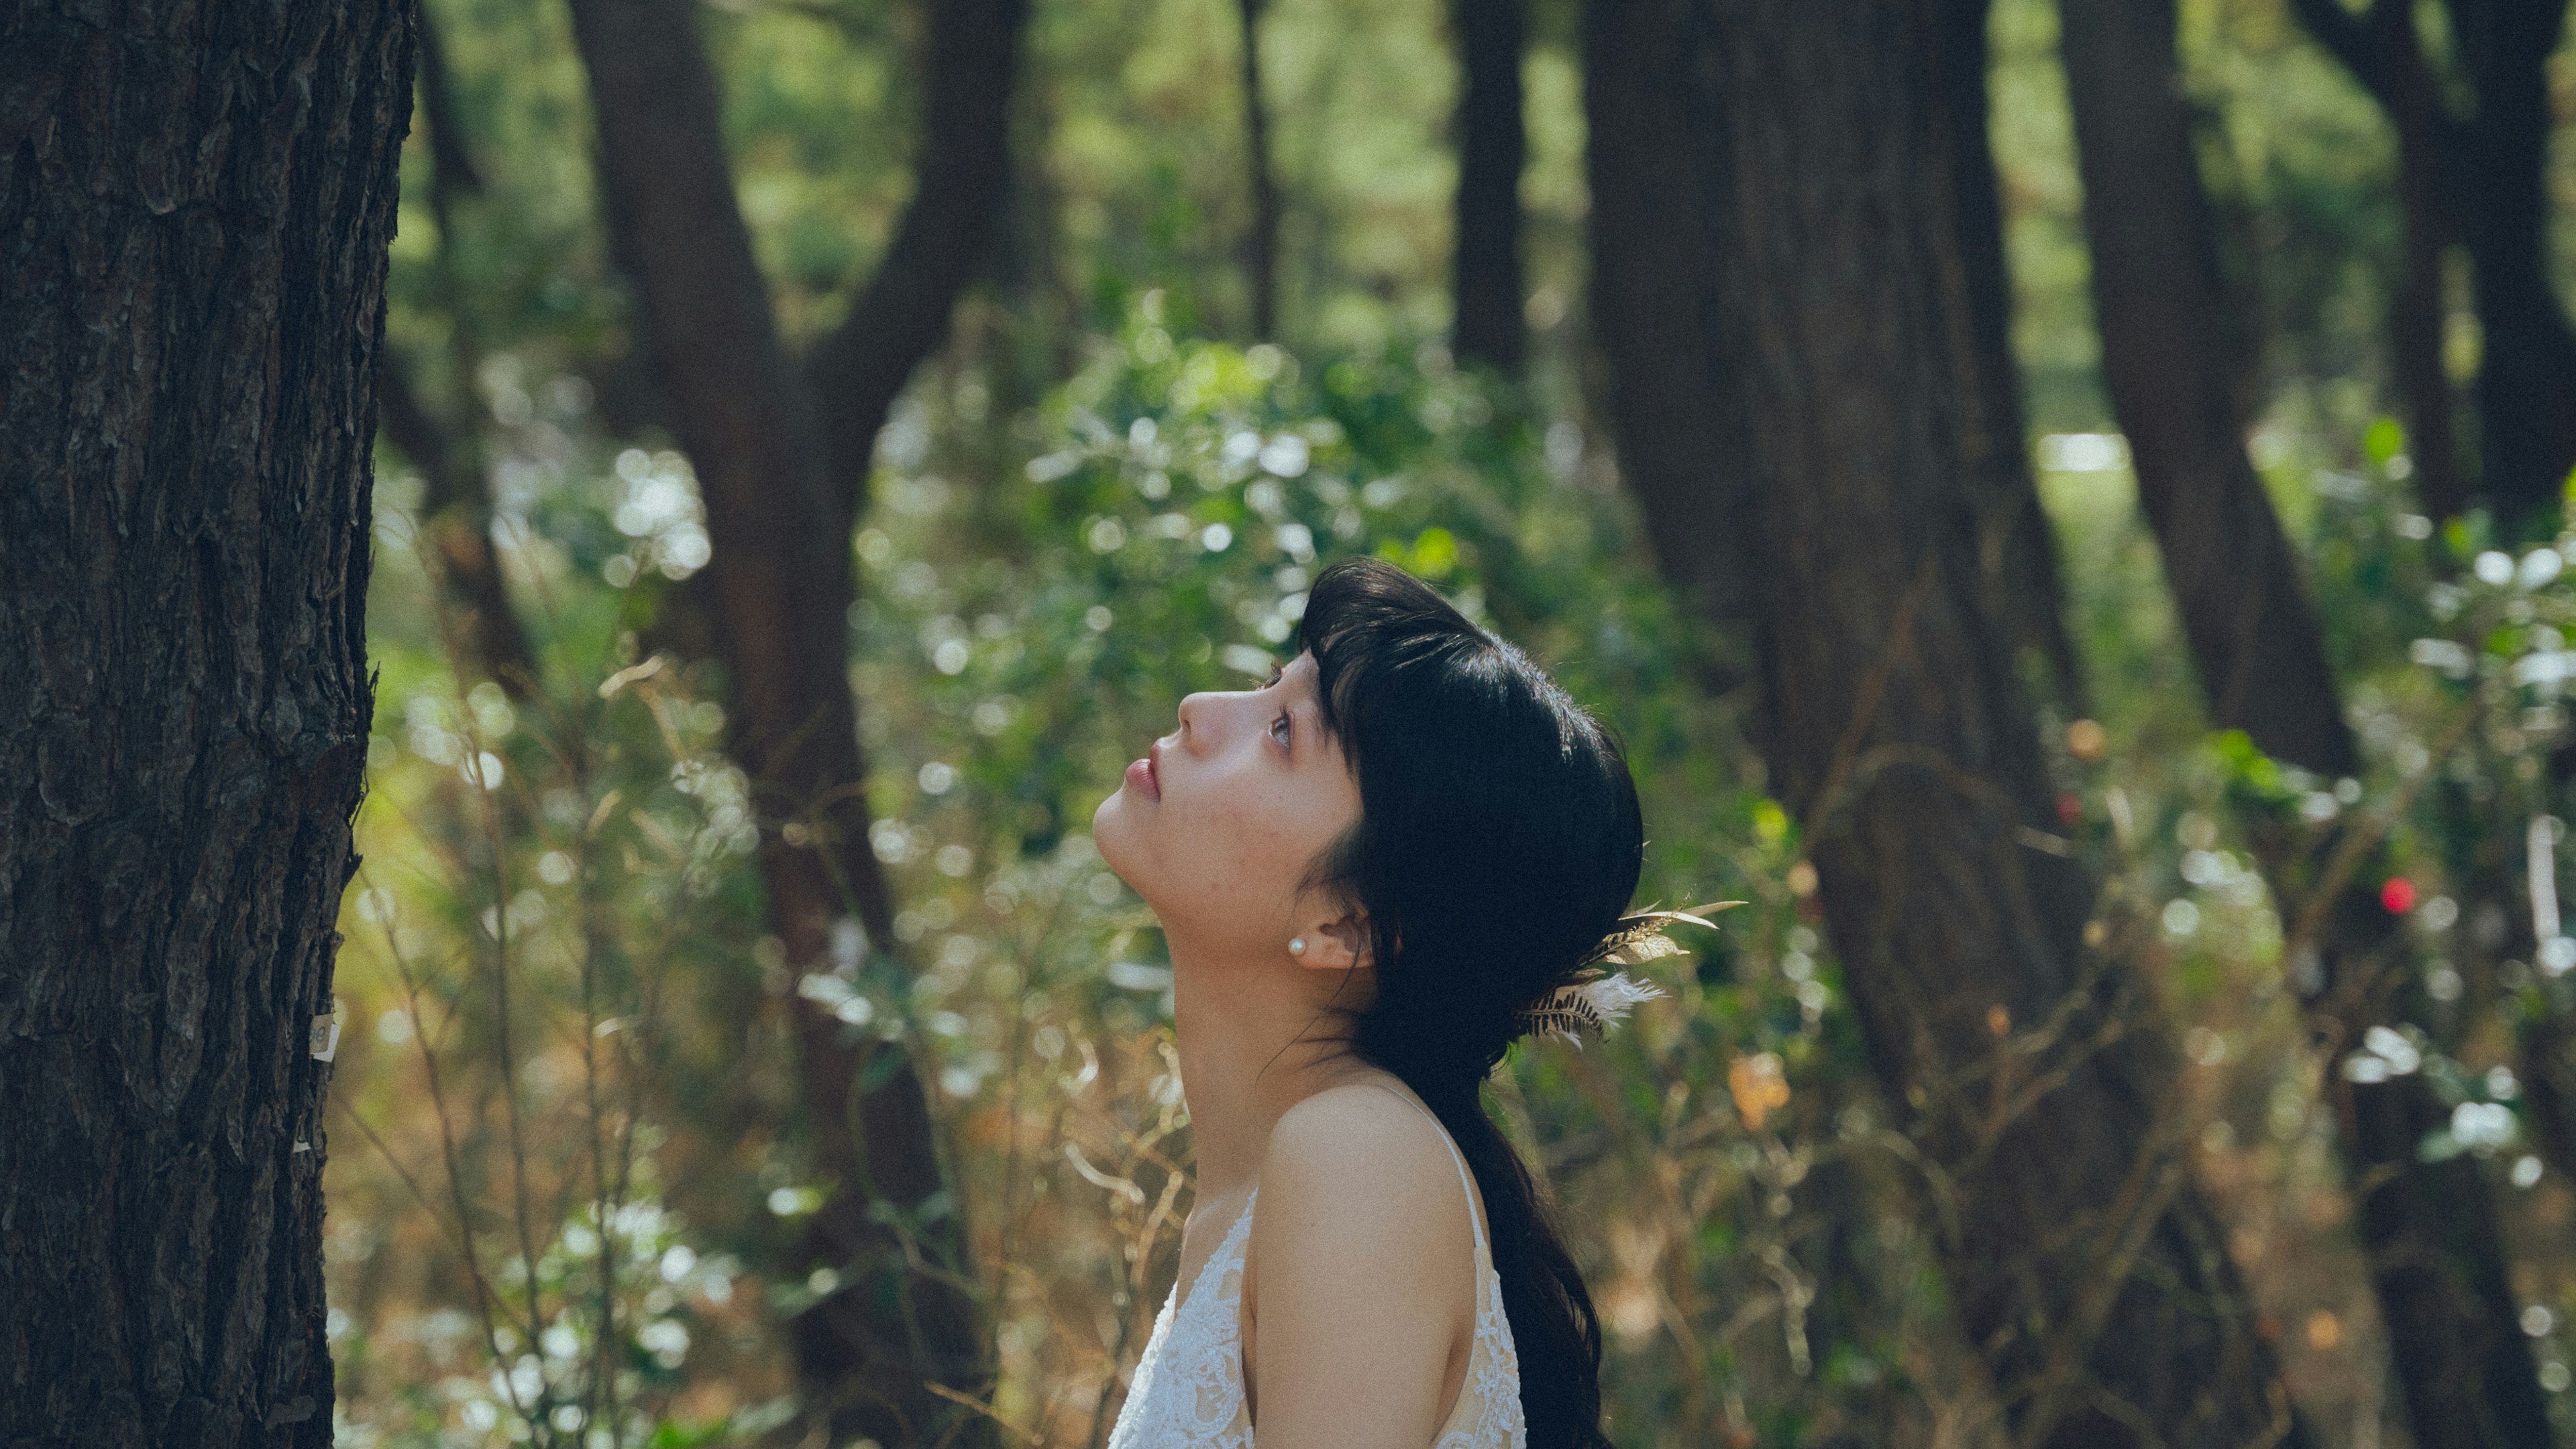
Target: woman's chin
(1111,823)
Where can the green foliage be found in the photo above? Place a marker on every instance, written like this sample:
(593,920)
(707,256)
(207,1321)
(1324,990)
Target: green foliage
(536,1049)
(1100,498)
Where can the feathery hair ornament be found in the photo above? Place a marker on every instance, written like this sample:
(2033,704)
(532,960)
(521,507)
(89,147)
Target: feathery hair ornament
(1597,1000)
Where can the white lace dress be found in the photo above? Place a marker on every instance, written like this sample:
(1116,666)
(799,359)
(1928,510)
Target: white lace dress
(1188,1391)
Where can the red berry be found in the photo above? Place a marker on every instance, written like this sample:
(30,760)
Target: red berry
(2398,895)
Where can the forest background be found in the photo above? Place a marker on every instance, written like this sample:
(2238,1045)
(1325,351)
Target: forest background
(734,1038)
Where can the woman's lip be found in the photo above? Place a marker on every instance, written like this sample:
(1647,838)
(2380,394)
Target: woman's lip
(1140,775)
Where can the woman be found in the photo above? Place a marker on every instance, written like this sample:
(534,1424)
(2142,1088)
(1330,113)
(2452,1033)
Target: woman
(1370,872)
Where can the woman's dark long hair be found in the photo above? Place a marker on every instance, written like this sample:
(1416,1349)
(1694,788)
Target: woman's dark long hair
(1499,840)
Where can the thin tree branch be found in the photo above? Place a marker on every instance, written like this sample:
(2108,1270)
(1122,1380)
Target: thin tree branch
(1261,243)
(451,162)
(903,314)
(782,454)
(455,521)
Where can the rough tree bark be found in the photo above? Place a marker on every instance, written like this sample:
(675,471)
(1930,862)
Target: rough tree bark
(1261,243)
(2085,1266)
(1647,296)
(781,452)
(2429,1228)
(2486,173)
(1485,276)
(195,205)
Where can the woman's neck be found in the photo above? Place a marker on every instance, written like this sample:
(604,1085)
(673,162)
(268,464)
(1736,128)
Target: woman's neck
(1254,1041)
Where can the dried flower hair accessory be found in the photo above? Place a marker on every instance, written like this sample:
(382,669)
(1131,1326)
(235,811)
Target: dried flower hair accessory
(1597,1000)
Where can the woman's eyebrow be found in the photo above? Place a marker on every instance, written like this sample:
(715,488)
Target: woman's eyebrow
(1302,691)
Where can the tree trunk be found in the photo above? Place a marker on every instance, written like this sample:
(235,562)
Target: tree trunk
(2429,1228)
(2487,176)
(195,204)
(451,161)
(1653,291)
(1485,279)
(1649,291)
(781,488)
(902,316)
(1261,244)
(2084,1264)
(455,505)
(2526,387)
(2489,868)
(2157,296)
(2016,546)
(456,521)
(2417,312)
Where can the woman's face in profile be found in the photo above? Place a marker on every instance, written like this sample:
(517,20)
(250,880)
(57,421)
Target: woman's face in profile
(1218,824)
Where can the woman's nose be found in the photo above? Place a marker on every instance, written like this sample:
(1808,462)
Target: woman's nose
(1204,718)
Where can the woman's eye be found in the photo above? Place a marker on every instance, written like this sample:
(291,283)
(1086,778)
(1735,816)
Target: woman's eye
(1279,729)
(1277,673)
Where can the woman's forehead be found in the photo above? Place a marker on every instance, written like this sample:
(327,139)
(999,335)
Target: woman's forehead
(1299,678)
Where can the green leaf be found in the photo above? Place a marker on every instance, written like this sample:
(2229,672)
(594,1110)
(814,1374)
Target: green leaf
(1434,554)
(2384,439)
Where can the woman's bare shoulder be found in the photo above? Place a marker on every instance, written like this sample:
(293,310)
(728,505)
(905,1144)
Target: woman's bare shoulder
(1365,1295)
(1364,1147)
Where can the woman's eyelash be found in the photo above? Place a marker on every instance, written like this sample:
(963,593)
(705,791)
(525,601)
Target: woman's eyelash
(1278,672)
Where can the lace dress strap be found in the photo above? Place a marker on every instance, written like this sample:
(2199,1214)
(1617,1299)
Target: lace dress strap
(1187,1392)
(1188,1389)
(1488,1412)
(1466,1179)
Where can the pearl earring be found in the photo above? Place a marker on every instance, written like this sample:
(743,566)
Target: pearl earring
(1297,947)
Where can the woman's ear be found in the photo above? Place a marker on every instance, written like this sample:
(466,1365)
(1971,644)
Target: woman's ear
(1340,943)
